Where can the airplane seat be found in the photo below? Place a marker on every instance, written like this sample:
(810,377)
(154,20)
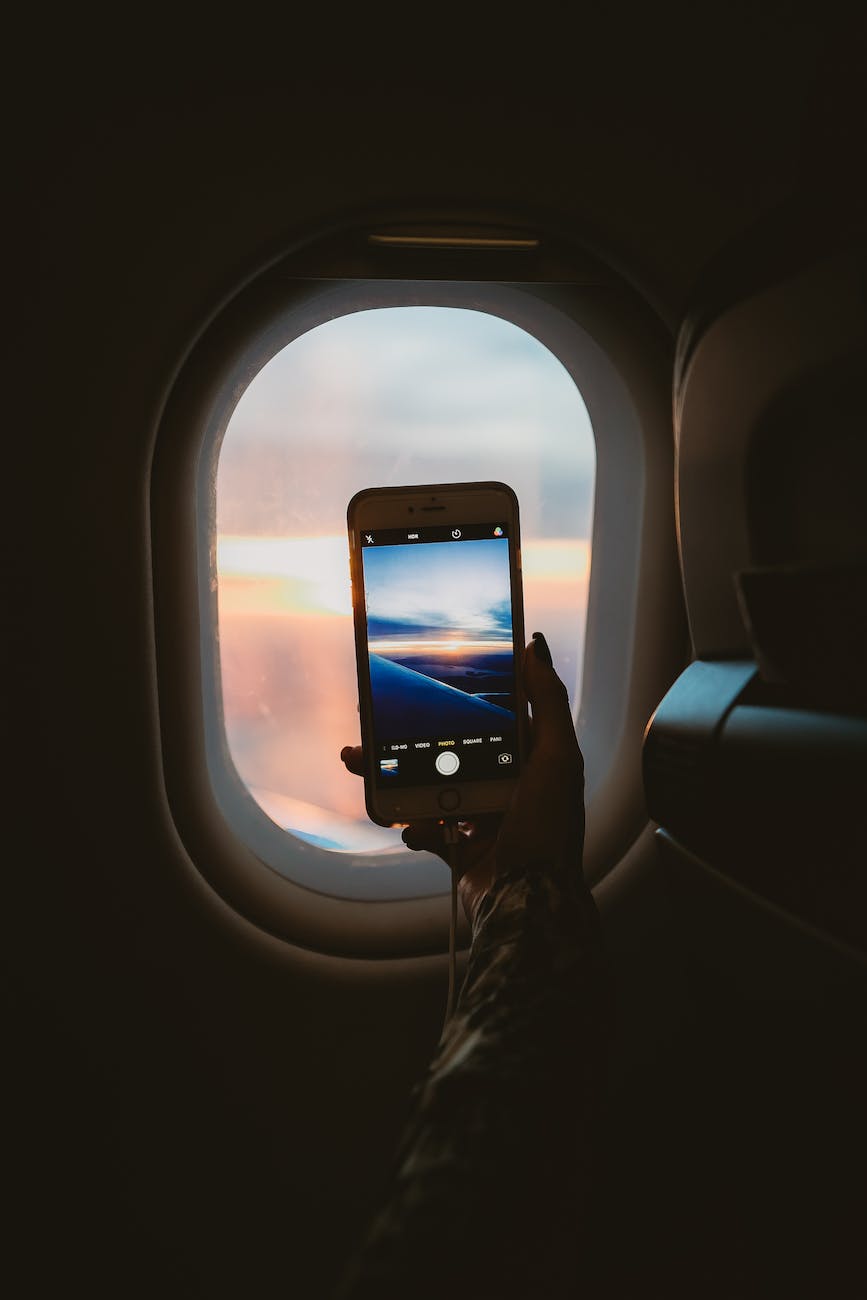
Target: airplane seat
(756,760)
(755,772)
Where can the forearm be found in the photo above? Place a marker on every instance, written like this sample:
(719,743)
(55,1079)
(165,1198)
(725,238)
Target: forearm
(493,1170)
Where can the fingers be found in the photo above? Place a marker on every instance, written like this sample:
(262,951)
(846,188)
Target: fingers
(424,835)
(553,728)
(475,842)
(353,759)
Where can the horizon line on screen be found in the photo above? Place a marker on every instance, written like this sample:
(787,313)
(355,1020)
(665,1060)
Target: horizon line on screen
(378,644)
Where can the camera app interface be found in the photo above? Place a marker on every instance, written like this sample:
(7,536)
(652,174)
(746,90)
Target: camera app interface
(441,647)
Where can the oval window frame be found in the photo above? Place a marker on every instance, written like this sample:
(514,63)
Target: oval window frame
(618,354)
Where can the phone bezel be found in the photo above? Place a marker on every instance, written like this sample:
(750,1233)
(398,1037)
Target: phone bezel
(425,504)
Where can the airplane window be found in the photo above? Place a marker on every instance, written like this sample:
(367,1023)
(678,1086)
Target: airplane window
(333,370)
(386,396)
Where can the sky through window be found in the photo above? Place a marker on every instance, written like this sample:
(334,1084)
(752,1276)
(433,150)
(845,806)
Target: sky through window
(382,397)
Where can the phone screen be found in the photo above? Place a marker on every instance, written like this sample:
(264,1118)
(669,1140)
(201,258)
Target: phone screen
(442,653)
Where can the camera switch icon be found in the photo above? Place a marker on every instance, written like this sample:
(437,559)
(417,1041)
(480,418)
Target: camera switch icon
(504,758)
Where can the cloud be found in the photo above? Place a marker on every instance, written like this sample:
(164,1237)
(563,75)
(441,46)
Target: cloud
(406,395)
(446,586)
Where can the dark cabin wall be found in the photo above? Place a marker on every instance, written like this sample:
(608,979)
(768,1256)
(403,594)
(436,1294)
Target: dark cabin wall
(190,1108)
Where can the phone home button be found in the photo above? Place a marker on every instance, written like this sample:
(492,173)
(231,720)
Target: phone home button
(449,800)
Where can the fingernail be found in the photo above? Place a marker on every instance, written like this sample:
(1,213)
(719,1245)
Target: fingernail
(540,645)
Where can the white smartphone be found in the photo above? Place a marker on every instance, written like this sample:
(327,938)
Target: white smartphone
(439,638)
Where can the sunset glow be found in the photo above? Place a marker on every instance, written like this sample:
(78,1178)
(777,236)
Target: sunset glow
(288,670)
(299,575)
(278,574)
(396,644)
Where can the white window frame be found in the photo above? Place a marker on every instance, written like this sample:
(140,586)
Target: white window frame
(619,357)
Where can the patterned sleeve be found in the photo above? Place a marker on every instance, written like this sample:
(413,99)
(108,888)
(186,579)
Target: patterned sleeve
(495,1168)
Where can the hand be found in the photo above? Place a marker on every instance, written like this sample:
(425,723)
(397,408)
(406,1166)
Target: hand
(544,823)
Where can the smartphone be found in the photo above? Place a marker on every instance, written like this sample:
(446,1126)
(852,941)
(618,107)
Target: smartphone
(439,639)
